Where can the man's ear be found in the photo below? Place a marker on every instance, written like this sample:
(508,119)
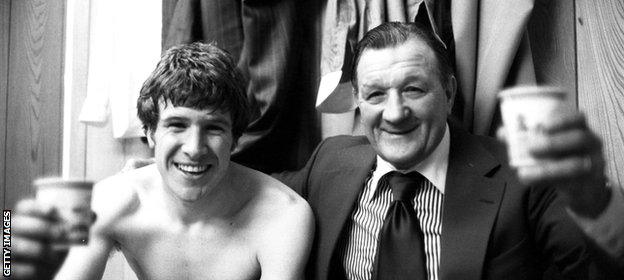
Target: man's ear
(150,138)
(451,90)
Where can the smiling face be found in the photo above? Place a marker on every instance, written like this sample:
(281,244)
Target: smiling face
(402,101)
(192,149)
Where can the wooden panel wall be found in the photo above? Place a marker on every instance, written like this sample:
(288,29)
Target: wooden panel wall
(34,99)
(5,18)
(600,37)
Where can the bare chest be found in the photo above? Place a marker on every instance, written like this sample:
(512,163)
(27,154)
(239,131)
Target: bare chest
(160,251)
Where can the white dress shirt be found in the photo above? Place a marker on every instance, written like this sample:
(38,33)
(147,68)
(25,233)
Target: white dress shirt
(359,248)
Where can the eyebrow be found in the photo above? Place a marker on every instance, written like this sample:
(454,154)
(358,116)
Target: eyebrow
(174,118)
(375,84)
(210,118)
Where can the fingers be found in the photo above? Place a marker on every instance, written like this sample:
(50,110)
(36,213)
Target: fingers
(29,250)
(34,259)
(561,170)
(23,271)
(564,143)
(32,208)
(36,221)
(36,268)
(35,226)
(566,150)
(562,122)
(567,141)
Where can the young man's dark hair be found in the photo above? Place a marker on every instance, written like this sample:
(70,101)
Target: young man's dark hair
(198,76)
(392,34)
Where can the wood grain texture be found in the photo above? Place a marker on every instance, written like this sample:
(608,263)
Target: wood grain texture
(551,31)
(600,37)
(5,23)
(34,106)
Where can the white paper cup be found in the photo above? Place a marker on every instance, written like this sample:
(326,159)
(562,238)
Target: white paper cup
(524,110)
(72,200)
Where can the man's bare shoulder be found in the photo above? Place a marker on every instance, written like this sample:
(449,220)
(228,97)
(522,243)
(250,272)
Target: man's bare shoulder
(273,205)
(282,224)
(120,195)
(266,190)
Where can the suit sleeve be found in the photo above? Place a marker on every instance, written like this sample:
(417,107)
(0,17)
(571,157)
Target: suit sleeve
(607,230)
(298,180)
(562,241)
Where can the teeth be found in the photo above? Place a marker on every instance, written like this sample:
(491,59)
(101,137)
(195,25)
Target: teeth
(192,168)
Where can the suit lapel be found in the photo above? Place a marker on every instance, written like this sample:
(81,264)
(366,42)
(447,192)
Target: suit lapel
(471,203)
(342,185)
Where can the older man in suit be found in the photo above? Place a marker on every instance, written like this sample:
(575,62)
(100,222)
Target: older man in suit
(420,198)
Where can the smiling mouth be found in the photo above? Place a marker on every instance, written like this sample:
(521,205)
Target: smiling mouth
(192,169)
(399,131)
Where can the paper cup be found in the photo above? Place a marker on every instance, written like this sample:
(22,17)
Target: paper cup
(72,200)
(524,110)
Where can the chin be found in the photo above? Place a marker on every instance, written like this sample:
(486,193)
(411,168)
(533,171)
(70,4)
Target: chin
(403,164)
(401,160)
(401,155)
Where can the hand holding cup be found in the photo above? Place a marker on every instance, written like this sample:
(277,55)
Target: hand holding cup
(549,143)
(45,227)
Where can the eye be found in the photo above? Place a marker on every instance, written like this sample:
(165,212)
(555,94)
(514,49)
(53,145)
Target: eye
(413,91)
(175,125)
(215,128)
(375,97)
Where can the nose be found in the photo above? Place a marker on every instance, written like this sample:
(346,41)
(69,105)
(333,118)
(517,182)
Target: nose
(194,145)
(395,110)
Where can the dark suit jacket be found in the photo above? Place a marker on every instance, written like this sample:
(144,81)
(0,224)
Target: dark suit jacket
(492,227)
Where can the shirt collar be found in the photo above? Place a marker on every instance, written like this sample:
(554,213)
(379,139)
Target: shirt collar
(433,167)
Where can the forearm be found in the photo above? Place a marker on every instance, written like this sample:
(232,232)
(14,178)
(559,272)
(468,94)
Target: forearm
(606,230)
(86,262)
(592,198)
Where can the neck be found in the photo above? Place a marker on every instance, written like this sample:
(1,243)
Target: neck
(216,204)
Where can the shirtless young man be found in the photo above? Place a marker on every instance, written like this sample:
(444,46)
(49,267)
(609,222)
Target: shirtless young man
(193,214)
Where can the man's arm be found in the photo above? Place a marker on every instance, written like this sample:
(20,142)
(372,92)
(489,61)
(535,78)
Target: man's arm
(33,229)
(285,247)
(37,258)
(573,162)
(607,229)
(87,262)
